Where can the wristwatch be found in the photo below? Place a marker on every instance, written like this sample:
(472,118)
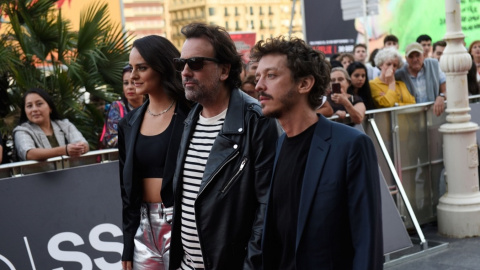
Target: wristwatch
(442,95)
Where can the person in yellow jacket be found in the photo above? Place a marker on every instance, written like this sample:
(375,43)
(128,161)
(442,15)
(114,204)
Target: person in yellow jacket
(386,92)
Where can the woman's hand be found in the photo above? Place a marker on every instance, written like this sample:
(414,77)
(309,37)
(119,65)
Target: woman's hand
(76,149)
(341,114)
(341,98)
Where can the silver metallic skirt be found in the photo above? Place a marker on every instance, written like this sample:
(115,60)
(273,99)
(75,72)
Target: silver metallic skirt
(152,240)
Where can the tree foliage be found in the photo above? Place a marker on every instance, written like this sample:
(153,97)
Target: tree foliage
(40,49)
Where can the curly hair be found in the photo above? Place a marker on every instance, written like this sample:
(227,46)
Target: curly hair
(302,61)
(224,48)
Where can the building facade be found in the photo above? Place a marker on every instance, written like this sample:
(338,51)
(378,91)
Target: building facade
(145,17)
(267,18)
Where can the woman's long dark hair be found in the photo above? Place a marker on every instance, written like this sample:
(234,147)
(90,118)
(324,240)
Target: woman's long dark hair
(54,115)
(159,52)
(364,91)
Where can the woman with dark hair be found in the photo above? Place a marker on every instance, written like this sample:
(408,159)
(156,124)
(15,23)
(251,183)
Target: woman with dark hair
(473,85)
(118,109)
(148,141)
(41,134)
(474,51)
(360,85)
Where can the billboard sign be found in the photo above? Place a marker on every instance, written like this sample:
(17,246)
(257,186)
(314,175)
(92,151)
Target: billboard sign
(244,41)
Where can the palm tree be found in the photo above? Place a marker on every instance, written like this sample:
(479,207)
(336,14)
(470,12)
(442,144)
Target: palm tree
(39,49)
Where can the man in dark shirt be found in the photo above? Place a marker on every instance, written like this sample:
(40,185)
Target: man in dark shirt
(324,209)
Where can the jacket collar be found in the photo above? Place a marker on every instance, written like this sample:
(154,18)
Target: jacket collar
(138,113)
(235,112)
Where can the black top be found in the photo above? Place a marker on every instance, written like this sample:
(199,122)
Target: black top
(151,152)
(285,199)
(337,107)
(53,141)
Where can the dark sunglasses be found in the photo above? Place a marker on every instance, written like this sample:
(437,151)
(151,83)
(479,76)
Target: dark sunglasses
(194,63)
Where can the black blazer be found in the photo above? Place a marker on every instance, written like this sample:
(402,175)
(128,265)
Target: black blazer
(131,185)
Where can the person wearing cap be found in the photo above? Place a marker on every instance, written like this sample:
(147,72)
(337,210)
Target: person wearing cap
(423,77)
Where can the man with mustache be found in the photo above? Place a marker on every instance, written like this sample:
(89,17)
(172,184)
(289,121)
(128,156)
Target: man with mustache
(224,162)
(324,209)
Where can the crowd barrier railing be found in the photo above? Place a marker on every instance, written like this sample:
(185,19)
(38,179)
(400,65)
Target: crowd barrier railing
(410,135)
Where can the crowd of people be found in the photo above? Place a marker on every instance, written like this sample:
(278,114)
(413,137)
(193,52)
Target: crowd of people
(213,177)
(386,79)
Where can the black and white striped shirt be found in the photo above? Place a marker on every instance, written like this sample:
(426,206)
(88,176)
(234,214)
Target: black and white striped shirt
(198,151)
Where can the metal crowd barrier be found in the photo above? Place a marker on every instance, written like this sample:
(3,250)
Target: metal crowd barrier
(409,135)
(22,168)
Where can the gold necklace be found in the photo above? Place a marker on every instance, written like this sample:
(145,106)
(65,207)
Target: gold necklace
(160,113)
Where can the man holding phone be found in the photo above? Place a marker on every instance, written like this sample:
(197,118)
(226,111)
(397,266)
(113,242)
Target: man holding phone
(324,209)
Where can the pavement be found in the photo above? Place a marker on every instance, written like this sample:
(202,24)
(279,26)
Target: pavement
(443,253)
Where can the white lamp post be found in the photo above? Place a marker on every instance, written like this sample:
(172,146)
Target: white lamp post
(458,211)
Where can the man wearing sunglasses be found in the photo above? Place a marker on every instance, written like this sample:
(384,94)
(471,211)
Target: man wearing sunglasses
(224,161)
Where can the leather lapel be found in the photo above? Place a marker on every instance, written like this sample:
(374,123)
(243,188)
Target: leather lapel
(225,146)
(134,127)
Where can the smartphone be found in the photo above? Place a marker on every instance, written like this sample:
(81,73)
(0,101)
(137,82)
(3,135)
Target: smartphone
(336,88)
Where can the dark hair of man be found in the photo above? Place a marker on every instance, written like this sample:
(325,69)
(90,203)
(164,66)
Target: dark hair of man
(371,58)
(473,87)
(441,43)
(302,61)
(359,45)
(335,63)
(223,46)
(424,38)
(249,80)
(54,115)
(364,91)
(159,52)
(390,38)
(346,55)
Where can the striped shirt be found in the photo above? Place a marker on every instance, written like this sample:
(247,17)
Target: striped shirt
(198,151)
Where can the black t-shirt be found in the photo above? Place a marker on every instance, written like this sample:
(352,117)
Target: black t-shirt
(286,190)
(336,107)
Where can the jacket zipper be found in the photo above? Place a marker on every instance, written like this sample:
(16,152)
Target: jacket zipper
(198,195)
(242,165)
(215,174)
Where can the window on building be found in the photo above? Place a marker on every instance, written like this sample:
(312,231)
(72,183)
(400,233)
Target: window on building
(251,10)
(226,11)
(251,25)
(237,27)
(236,11)
(270,12)
(211,11)
(261,24)
(226,26)
(260,11)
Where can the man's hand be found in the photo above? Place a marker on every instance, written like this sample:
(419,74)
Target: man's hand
(439,106)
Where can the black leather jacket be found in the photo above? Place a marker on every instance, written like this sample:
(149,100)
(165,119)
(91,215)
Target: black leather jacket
(130,182)
(231,202)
